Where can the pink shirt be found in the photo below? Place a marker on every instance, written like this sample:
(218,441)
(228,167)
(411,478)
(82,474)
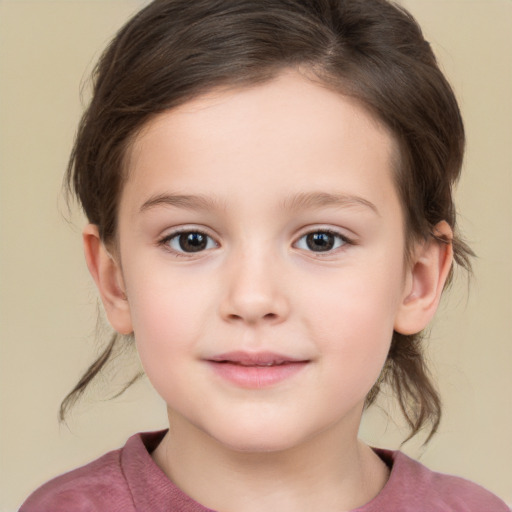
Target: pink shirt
(127,480)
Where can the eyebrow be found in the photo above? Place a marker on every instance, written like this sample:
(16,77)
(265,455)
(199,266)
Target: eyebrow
(310,200)
(305,200)
(189,202)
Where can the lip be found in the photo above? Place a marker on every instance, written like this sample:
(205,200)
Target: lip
(256,370)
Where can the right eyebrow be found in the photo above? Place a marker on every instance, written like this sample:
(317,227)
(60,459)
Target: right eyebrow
(312,200)
(189,202)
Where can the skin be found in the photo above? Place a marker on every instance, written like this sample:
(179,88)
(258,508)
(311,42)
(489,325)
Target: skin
(258,286)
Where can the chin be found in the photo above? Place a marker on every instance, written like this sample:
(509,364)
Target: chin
(257,446)
(260,440)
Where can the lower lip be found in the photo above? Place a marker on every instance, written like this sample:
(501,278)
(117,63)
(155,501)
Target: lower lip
(257,377)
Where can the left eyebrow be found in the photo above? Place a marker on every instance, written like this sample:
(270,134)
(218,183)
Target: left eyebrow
(188,202)
(307,200)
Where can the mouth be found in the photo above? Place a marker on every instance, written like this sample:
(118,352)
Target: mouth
(256,370)
(254,359)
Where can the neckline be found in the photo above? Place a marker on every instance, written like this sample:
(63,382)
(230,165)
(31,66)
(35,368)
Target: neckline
(143,474)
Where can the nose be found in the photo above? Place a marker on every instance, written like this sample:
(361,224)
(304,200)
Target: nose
(254,290)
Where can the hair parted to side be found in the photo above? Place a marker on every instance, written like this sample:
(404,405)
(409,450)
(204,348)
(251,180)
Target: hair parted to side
(175,50)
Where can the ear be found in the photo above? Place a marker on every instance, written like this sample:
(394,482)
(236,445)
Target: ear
(425,281)
(107,275)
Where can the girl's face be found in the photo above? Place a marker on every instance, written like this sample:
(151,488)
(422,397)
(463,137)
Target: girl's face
(261,248)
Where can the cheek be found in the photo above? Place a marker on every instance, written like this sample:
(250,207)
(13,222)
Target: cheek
(167,314)
(167,326)
(361,298)
(354,323)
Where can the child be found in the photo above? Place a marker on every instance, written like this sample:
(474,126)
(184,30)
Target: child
(269,190)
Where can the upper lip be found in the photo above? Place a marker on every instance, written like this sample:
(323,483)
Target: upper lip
(255,358)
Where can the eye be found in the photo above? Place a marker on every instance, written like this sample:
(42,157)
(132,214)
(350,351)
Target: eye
(188,242)
(321,241)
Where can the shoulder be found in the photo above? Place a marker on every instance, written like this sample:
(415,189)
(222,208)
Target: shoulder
(124,480)
(110,483)
(416,487)
(84,489)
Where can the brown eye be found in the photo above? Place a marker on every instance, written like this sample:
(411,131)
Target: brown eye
(321,241)
(189,242)
(192,242)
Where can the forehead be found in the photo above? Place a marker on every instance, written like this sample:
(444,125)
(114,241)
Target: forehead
(290,133)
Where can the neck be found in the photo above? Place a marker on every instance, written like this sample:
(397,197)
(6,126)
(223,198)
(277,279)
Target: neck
(332,471)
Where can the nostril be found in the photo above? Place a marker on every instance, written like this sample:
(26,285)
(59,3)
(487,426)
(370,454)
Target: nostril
(269,317)
(251,307)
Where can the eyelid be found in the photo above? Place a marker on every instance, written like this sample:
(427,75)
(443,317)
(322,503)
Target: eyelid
(347,240)
(163,241)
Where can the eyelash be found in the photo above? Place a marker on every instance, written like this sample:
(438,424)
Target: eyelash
(165,241)
(182,254)
(344,241)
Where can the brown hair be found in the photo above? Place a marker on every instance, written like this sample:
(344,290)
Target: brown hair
(175,50)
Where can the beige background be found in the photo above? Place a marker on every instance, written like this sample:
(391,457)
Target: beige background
(48,303)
